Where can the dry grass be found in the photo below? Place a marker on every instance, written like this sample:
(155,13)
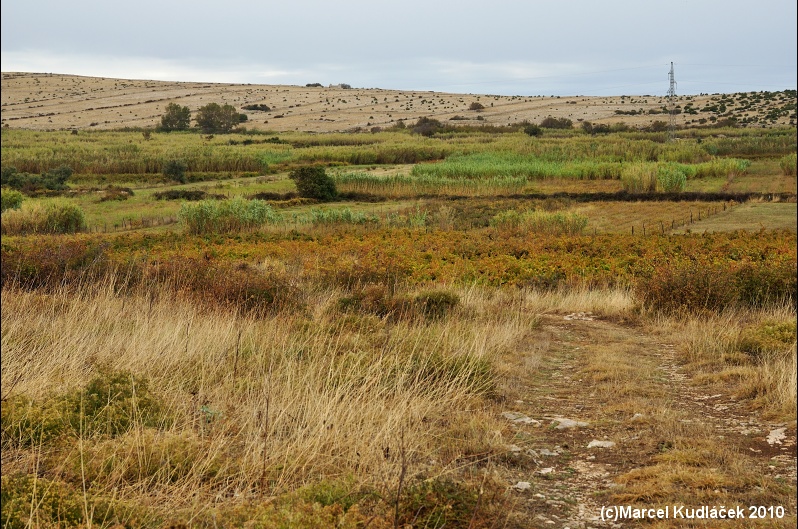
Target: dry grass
(751,354)
(255,407)
(47,101)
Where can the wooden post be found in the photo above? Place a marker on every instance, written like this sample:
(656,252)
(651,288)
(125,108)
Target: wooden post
(633,229)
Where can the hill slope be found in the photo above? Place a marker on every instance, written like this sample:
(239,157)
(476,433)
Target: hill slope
(54,101)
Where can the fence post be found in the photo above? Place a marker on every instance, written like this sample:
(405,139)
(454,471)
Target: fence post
(633,229)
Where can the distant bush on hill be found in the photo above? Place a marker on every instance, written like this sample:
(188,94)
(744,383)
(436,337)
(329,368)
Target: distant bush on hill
(556,123)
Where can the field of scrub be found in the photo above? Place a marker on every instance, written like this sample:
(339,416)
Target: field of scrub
(395,330)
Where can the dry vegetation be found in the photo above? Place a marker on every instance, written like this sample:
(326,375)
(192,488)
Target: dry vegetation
(52,101)
(188,342)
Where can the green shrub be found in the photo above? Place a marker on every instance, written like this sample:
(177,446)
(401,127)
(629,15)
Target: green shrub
(553,223)
(53,180)
(426,126)
(26,423)
(112,403)
(557,123)
(10,199)
(64,217)
(314,182)
(787,164)
(533,130)
(436,303)
(639,177)
(671,177)
(54,218)
(226,216)
(768,339)
(175,170)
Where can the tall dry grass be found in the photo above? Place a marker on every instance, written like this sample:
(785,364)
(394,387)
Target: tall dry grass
(253,406)
(751,353)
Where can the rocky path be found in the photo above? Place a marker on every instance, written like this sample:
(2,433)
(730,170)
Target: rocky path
(600,414)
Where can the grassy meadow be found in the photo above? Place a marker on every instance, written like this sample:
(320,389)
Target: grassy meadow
(205,347)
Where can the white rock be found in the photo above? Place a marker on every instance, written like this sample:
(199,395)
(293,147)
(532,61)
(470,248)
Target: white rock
(522,485)
(547,452)
(600,444)
(514,448)
(563,424)
(544,471)
(519,418)
(775,437)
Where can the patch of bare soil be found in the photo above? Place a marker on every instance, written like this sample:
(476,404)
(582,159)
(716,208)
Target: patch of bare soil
(605,402)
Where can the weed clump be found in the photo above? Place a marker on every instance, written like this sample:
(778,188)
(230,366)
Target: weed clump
(10,199)
(56,217)
(768,339)
(231,216)
(544,222)
(787,164)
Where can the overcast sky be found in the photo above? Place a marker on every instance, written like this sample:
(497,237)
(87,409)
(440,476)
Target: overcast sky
(533,47)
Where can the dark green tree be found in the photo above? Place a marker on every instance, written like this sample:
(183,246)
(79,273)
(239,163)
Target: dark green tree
(313,182)
(214,118)
(175,118)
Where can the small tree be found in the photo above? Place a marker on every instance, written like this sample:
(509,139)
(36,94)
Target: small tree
(175,118)
(214,118)
(313,182)
(476,106)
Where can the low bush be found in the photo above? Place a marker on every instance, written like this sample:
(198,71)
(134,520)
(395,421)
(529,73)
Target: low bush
(53,218)
(533,130)
(110,405)
(175,170)
(557,123)
(259,107)
(787,164)
(543,222)
(671,178)
(702,288)
(436,303)
(314,182)
(236,215)
(768,339)
(426,126)
(10,199)
(53,180)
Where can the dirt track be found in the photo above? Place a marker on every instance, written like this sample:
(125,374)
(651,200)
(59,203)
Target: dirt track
(648,406)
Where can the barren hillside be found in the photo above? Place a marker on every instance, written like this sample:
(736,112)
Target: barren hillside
(54,101)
